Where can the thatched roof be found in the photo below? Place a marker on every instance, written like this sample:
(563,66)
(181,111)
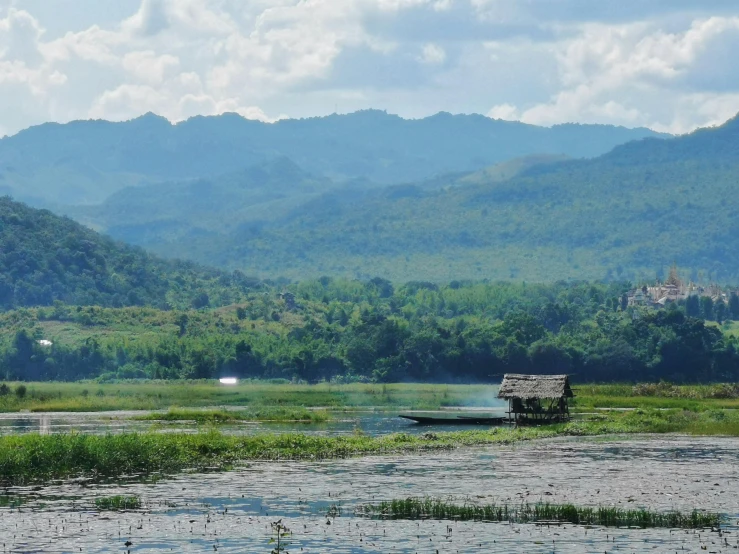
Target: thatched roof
(534,386)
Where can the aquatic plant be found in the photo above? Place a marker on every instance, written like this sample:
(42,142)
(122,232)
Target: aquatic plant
(281,532)
(608,516)
(117,503)
(34,457)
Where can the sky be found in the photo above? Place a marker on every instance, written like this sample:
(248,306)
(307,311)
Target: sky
(663,64)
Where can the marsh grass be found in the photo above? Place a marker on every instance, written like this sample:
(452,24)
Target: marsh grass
(658,396)
(33,458)
(118,503)
(216,417)
(430,508)
(158,395)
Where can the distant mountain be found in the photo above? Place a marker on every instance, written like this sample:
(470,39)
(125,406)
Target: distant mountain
(181,210)
(46,258)
(84,162)
(624,215)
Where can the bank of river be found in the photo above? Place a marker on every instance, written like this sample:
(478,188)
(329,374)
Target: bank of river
(232,512)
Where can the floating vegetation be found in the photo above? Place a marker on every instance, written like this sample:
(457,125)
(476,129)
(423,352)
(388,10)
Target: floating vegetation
(117,503)
(430,508)
(11,501)
(216,417)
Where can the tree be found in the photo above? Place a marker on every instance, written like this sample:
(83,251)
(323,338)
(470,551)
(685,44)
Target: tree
(692,306)
(707,308)
(720,311)
(201,301)
(182,322)
(523,327)
(734,306)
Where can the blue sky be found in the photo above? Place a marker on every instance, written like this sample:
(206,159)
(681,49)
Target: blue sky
(665,64)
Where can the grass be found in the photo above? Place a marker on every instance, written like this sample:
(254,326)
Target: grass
(257,395)
(117,503)
(278,414)
(429,508)
(657,396)
(158,395)
(38,458)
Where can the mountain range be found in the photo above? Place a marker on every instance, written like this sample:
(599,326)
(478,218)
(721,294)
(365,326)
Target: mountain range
(624,215)
(84,162)
(426,205)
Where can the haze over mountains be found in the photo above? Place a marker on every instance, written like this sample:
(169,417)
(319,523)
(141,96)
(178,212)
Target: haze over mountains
(624,215)
(326,206)
(84,162)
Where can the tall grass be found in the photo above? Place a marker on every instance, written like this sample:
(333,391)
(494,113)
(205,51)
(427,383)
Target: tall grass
(32,457)
(429,508)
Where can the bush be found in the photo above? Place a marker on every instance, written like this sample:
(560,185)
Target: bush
(20,391)
(4,390)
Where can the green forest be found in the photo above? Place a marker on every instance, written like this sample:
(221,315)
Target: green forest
(347,330)
(622,216)
(45,259)
(77,305)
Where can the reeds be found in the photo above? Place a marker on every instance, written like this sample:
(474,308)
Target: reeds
(117,503)
(430,508)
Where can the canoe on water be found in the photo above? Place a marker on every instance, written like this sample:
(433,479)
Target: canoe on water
(455,420)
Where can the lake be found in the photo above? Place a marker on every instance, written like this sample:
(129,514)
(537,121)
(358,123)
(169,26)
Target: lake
(232,511)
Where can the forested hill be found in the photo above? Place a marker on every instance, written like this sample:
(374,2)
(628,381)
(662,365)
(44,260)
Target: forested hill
(46,258)
(624,215)
(83,162)
(180,210)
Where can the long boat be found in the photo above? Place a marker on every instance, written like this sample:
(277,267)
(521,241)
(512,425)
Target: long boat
(456,420)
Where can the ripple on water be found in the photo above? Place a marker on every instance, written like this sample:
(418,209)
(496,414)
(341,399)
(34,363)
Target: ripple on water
(232,511)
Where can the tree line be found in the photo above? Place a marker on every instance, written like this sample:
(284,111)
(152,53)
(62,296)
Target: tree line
(342,330)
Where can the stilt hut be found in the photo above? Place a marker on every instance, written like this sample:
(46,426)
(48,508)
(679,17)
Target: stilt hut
(536,398)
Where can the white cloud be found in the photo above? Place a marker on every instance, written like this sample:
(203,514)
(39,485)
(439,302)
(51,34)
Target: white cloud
(147,66)
(541,61)
(433,54)
(635,74)
(507,112)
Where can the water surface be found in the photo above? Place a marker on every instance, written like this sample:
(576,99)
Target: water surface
(232,512)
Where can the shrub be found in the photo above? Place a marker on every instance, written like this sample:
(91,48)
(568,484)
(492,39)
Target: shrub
(4,390)
(20,391)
